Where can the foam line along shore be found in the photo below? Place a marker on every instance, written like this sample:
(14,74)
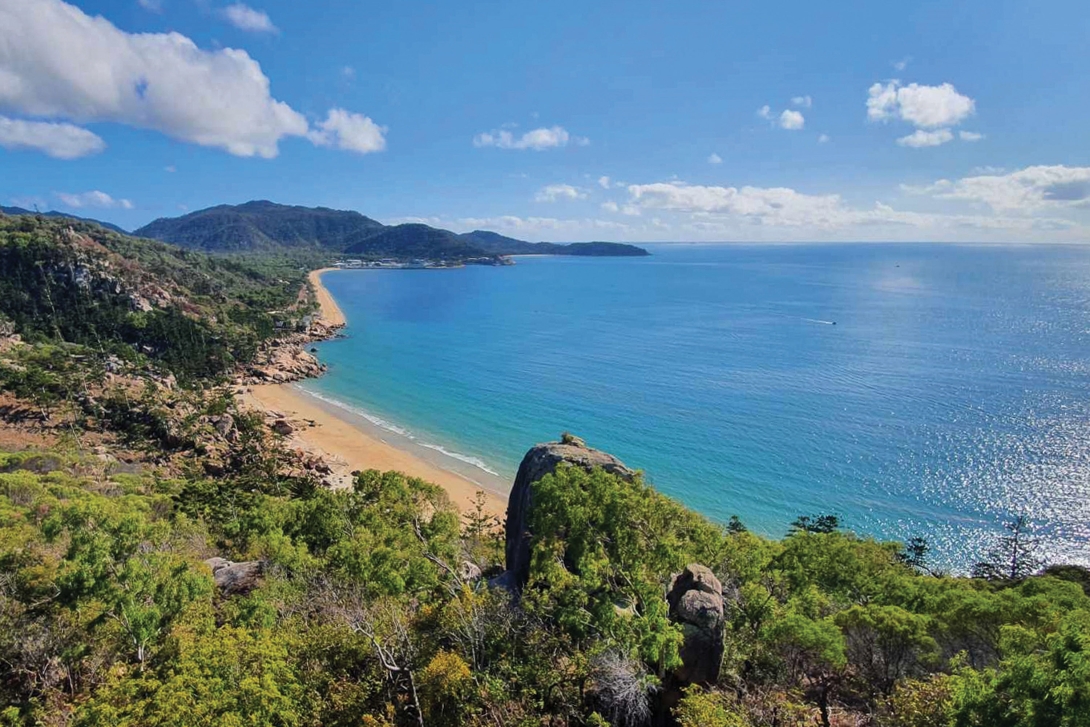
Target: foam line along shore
(348,442)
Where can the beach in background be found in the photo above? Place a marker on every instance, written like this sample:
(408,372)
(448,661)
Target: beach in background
(349,441)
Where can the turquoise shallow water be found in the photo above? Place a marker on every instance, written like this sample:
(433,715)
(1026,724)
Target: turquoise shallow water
(953,391)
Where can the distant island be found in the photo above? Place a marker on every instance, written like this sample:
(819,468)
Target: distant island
(262,226)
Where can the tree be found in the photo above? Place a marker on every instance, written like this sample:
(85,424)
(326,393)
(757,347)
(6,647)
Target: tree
(227,677)
(814,653)
(815,524)
(886,643)
(914,554)
(1014,556)
(701,708)
(1042,681)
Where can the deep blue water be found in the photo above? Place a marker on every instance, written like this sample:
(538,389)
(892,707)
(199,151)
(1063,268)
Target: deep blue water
(953,391)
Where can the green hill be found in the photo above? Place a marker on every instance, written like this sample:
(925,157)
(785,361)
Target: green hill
(262,226)
(414,241)
(497,244)
(603,249)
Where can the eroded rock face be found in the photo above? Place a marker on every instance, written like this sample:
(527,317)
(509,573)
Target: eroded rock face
(542,460)
(696,603)
(235,578)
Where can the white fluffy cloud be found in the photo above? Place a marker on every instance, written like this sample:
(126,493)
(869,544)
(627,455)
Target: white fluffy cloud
(931,109)
(604,182)
(791,120)
(921,138)
(783,213)
(61,141)
(823,139)
(1035,204)
(246,18)
(348,131)
(1024,191)
(157,81)
(92,199)
(537,139)
(714,158)
(782,205)
(155,6)
(554,192)
(803,101)
(926,107)
(787,119)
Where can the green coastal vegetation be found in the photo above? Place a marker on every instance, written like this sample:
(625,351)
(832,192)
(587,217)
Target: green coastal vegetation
(164,561)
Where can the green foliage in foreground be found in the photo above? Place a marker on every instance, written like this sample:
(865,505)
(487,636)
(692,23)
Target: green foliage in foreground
(109,616)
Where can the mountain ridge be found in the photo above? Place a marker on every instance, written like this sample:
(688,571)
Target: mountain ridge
(264,226)
(260,225)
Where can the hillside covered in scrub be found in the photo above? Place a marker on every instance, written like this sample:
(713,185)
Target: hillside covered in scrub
(167,559)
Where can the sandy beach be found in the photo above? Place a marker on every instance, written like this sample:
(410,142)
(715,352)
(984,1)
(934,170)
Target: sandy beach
(348,443)
(331,312)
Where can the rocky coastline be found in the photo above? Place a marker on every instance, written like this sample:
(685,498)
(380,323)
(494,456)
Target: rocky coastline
(286,359)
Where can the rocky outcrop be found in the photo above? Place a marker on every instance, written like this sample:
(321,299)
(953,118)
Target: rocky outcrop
(541,460)
(283,427)
(281,363)
(695,598)
(696,603)
(286,359)
(235,578)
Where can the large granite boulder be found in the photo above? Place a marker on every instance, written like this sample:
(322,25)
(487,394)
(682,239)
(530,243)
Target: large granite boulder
(235,578)
(541,460)
(696,603)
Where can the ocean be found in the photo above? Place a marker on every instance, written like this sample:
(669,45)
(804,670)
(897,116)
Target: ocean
(932,390)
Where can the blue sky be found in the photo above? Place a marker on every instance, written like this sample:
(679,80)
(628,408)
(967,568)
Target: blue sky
(563,121)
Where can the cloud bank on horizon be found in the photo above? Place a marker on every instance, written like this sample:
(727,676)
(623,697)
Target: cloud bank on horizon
(106,95)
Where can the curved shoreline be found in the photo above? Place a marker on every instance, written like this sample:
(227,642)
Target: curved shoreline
(330,312)
(348,442)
